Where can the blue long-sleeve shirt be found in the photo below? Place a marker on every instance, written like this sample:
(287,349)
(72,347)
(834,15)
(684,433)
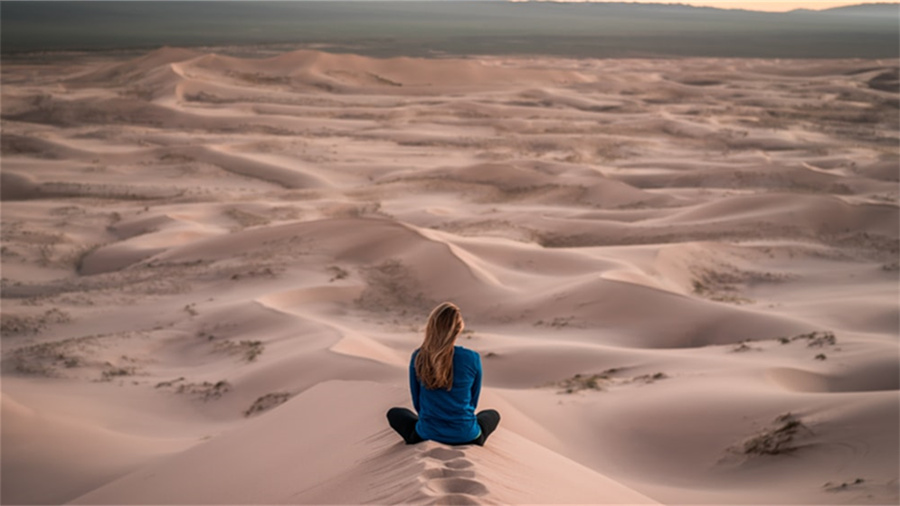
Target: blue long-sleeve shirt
(448,416)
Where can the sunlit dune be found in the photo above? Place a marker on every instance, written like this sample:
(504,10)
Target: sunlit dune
(681,276)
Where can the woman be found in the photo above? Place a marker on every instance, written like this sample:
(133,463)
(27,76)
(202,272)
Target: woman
(445,381)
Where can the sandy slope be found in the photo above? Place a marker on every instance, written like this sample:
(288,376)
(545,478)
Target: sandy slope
(681,276)
(321,447)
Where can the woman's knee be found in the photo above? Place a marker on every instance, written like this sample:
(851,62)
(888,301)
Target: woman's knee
(489,416)
(488,421)
(400,413)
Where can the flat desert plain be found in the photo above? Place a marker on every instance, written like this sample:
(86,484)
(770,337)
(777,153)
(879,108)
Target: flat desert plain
(681,275)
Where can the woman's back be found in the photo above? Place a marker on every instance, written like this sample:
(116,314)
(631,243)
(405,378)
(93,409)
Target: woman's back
(444,383)
(449,415)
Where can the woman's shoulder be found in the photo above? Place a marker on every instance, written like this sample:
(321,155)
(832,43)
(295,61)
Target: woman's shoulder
(464,352)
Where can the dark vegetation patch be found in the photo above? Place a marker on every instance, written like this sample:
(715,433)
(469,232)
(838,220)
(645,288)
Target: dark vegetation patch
(337,273)
(267,402)
(743,347)
(817,339)
(779,438)
(601,381)
(20,324)
(814,339)
(47,359)
(581,382)
(722,282)
(205,391)
(847,485)
(650,378)
(558,322)
(113,372)
(166,384)
(257,272)
(249,350)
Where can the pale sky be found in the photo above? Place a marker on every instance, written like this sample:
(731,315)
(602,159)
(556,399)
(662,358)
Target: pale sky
(756,5)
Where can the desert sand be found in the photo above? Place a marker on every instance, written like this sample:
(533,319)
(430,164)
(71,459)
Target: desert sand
(681,275)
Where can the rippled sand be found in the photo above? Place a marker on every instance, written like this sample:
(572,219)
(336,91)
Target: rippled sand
(681,275)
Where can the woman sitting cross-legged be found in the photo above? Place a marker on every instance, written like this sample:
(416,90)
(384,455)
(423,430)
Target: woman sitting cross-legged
(445,381)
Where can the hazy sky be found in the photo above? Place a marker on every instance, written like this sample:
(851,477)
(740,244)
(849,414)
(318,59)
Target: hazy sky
(756,5)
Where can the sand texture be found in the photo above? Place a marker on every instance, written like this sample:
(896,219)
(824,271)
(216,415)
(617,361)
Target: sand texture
(681,275)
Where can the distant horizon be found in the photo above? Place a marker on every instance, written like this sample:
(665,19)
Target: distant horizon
(750,5)
(437,28)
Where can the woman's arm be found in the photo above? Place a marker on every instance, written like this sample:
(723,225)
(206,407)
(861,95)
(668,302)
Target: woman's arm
(476,384)
(414,382)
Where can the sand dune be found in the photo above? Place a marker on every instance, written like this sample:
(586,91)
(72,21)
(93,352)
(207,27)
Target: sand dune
(681,276)
(385,470)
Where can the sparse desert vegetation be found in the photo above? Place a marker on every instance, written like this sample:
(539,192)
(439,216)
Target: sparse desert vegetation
(267,402)
(248,349)
(779,438)
(602,381)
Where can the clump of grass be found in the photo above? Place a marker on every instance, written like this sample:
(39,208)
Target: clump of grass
(820,340)
(253,349)
(337,273)
(778,439)
(830,487)
(581,382)
(731,299)
(109,374)
(169,383)
(267,402)
(206,390)
(603,380)
(45,359)
(817,339)
(557,323)
(650,378)
(249,349)
(18,324)
(254,273)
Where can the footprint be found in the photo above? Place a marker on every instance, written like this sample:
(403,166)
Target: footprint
(453,486)
(458,464)
(445,472)
(443,454)
(455,499)
(450,477)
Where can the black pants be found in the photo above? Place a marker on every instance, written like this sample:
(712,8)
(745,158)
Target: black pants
(404,421)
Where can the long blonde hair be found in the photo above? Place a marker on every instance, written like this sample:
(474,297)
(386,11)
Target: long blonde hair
(434,363)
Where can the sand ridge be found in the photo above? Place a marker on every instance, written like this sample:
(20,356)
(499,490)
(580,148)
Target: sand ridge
(681,276)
